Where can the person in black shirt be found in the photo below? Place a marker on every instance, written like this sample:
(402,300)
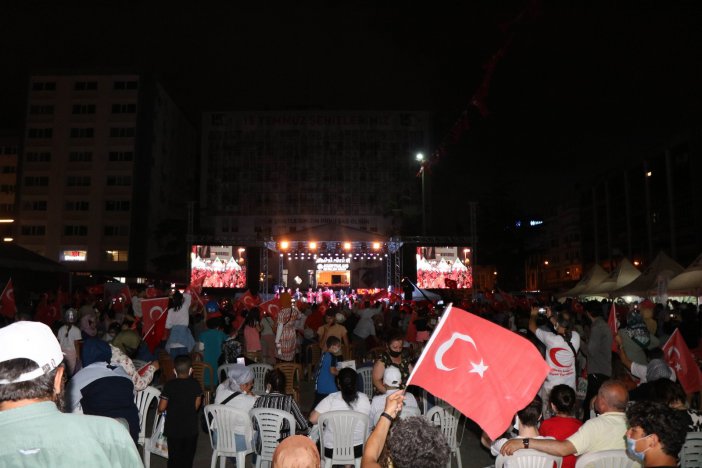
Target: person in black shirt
(182,398)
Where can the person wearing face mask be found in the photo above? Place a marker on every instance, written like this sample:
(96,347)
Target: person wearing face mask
(656,434)
(392,357)
(605,432)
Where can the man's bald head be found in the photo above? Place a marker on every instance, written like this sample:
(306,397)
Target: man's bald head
(613,396)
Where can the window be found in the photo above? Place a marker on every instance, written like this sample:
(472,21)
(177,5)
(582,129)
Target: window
(122,132)
(33,230)
(123,181)
(117,255)
(9,150)
(37,156)
(83,109)
(116,231)
(119,85)
(117,205)
(75,230)
(124,108)
(37,133)
(7,208)
(120,156)
(7,188)
(80,156)
(41,110)
(77,205)
(35,205)
(78,181)
(8,169)
(36,181)
(80,132)
(85,86)
(44,86)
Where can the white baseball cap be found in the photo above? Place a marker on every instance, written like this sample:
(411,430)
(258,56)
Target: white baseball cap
(392,376)
(30,340)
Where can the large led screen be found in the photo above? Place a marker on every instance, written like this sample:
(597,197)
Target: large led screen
(444,267)
(218,266)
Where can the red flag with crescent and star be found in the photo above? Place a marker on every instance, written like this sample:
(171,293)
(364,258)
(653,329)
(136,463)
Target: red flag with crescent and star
(271,308)
(247,301)
(154,313)
(8,308)
(679,357)
(483,370)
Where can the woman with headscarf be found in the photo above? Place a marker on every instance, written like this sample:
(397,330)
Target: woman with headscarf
(240,380)
(285,337)
(636,338)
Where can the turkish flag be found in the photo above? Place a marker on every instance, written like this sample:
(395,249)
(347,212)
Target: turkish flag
(247,301)
(195,291)
(681,359)
(8,308)
(271,308)
(483,370)
(612,323)
(117,291)
(96,289)
(154,313)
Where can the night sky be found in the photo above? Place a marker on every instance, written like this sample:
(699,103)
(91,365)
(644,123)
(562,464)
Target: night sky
(581,89)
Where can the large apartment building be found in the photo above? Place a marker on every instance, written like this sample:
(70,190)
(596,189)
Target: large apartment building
(107,167)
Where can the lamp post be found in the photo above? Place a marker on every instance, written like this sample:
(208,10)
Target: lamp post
(420,158)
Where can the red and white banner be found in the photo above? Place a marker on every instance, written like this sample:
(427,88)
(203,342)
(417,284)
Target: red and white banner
(483,370)
(8,308)
(154,313)
(679,357)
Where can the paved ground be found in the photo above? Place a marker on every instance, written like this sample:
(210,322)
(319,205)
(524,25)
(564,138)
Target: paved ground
(473,455)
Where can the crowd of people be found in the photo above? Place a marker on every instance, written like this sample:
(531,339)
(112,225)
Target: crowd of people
(91,358)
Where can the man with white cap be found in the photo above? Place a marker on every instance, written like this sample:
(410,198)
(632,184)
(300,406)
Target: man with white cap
(35,432)
(237,390)
(391,379)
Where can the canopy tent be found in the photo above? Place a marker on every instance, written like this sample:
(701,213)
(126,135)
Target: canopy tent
(624,274)
(594,276)
(653,281)
(689,281)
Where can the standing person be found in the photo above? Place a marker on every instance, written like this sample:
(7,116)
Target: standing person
(69,337)
(34,430)
(563,424)
(180,339)
(331,328)
(252,331)
(346,399)
(212,339)
(267,338)
(392,357)
(182,398)
(325,378)
(365,328)
(285,337)
(598,351)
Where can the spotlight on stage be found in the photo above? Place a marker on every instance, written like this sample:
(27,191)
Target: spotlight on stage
(376,245)
(284,245)
(347,245)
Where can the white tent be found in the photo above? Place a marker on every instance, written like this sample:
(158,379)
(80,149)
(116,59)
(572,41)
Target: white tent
(689,281)
(624,274)
(654,280)
(594,276)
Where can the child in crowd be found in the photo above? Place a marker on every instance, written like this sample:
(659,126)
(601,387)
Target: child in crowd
(252,331)
(325,380)
(182,398)
(212,340)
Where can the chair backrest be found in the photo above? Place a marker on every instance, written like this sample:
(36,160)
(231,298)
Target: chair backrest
(344,424)
(409,411)
(223,371)
(529,458)
(165,364)
(448,423)
(199,370)
(367,374)
(143,399)
(259,371)
(691,453)
(293,372)
(270,423)
(606,459)
(228,422)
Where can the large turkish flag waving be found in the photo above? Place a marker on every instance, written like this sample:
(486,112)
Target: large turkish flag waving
(271,308)
(485,371)
(154,312)
(681,359)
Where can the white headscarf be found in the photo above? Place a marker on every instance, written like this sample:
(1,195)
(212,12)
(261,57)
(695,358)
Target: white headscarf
(238,375)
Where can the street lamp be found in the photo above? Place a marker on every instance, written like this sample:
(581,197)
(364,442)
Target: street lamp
(420,158)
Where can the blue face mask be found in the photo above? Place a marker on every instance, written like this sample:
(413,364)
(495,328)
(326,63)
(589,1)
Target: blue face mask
(631,448)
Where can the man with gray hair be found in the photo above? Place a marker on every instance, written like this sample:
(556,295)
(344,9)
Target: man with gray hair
(35,431)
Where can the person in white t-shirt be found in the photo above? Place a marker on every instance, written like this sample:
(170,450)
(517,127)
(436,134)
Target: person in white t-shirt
(348,399)
(68,337)
(239,379)
(391,379)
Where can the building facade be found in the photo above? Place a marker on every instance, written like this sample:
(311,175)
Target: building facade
(269,173)
(107,168)
(9,149)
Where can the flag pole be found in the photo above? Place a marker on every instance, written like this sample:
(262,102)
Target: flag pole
(152,326)
(444,317)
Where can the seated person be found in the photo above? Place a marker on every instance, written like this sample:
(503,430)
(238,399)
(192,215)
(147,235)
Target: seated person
(563,424)
(240,382)
(528,419)
(391,379)
(296,451)
(656,434)
(275,398)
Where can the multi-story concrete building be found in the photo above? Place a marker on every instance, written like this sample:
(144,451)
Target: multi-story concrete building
(107,167)
(270,173)
(9,148)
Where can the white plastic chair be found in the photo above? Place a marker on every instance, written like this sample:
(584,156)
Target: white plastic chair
(224,368)
(691,453)
(270,424)
(606,459)
(449,426)
(528,458)
(344,424)
(260,370)
(143,400)
(367,374)
(225,424)
(409,411)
